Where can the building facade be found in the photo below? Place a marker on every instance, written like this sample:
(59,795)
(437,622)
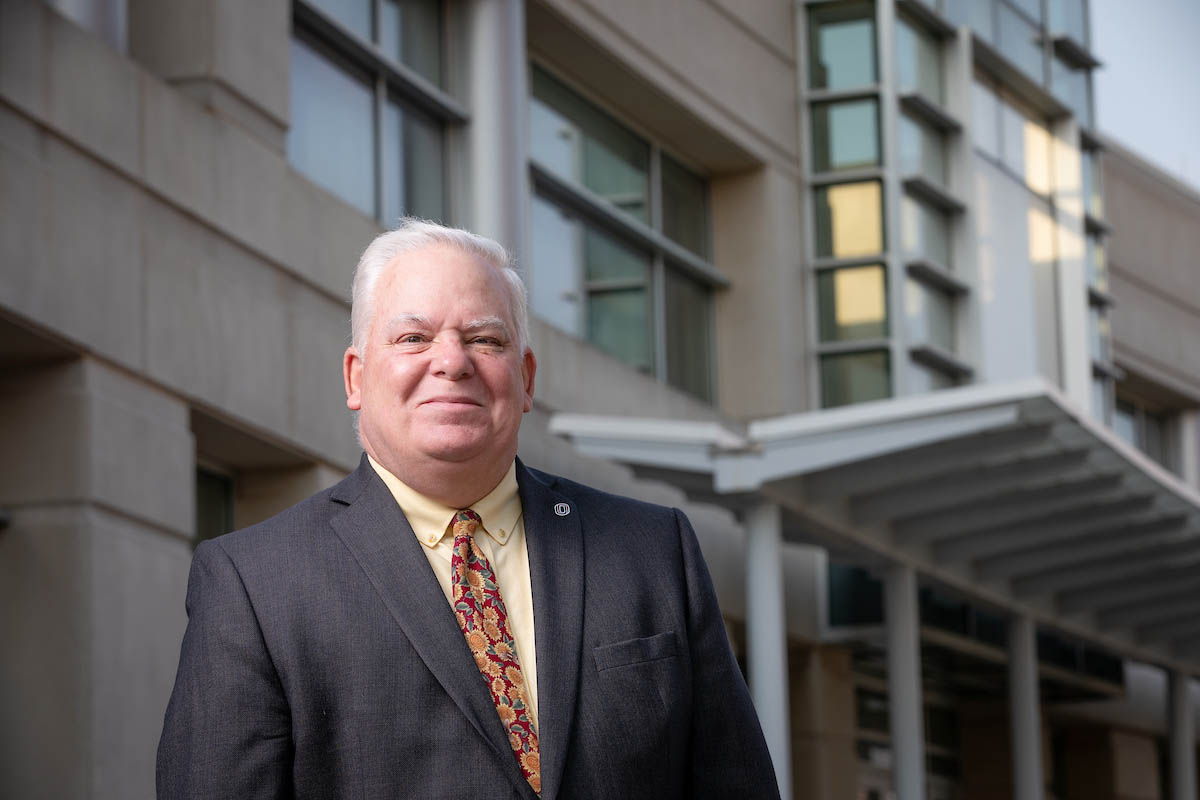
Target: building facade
(855,283)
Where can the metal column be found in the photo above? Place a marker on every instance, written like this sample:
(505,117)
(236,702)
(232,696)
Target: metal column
(496,141)
(905,701)
(1181,738)
(766,636)
(1024,709)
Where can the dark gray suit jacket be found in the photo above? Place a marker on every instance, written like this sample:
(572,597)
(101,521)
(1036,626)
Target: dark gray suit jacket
(321,660)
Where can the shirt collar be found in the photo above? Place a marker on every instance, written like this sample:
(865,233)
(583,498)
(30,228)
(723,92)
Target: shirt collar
(500,509)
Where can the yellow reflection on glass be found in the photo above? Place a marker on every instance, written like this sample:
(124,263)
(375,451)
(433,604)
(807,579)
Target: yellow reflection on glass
(1037,157)
(853,303)
(849,220)
(1041,236)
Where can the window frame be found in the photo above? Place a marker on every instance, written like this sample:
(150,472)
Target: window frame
(665,253)
(389,81)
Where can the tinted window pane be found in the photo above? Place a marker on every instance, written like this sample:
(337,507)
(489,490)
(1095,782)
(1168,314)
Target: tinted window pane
(1025,146)
(556,279)
(688,355)
(684,206)
(842,46)
(410,31)
(355,15)
(976,14)
(852,303)
(918,61)
(1093,197)
(849,220)
(214,504)
(924,232)
(1095,264)
(619,324)
(985,118)
(871,710)
(1070,85)
(1031,7)
(331,138)
(922,151)
(845,135)
(855,378)
(1067,17)
(1098,334)
(929,314)
(578,142)
(1020,42)
(1125,422)
(412,164)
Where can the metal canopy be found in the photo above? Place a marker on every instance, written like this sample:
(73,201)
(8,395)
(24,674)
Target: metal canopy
(1005,493)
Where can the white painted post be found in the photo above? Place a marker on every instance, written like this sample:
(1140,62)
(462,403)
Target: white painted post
(1024,710)
(1181,738)
(766,636)
(905,702)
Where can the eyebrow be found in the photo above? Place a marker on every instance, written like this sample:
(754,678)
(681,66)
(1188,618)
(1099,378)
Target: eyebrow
(422,321)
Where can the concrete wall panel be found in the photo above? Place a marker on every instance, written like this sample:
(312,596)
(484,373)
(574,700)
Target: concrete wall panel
(135,617)
(773,22)
(253,51)
(180,147)
(43,715)
(319,334)
(1158,333)
(217,318)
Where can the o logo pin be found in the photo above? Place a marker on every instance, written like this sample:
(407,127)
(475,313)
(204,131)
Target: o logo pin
(562,509)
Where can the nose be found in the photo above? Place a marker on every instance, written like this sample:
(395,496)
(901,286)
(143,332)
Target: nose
(452,360)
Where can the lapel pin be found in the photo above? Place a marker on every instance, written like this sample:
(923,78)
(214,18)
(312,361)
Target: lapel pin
(562,509)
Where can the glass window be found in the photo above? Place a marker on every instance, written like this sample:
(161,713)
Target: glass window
(1067,17)
(688,346)
(975,14)
(1125,422)
(1095,264)
(872,712)
(921,150)
(556,294)
(684,206)
(412,159)
(1070,85)
(1032,8)
(410,31)
(331,138)
(580,143)
(855,377)
(852,303)
(214,504)
(918,61)
(929,315)
(1093,194)
(1100,394)
(924,232)
(985,112)
(1021,43)
(842,45)
(849,220)
(1098,334)
(1025,146)
(845,135)
(354,15)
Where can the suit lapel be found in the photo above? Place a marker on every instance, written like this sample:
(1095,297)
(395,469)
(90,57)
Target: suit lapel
(378,535)
(555,543)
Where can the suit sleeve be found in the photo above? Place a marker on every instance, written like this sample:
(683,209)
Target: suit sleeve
(728,757)
(227,731)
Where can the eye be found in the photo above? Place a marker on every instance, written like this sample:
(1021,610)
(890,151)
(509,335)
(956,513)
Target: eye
(410,338)
(485,341)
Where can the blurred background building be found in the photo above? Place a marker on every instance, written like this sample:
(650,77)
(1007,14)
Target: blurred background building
(856,283)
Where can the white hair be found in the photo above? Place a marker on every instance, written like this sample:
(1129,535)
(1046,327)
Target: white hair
(412,234)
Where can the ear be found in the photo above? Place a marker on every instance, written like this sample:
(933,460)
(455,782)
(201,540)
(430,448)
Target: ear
(352,366)
(528,370)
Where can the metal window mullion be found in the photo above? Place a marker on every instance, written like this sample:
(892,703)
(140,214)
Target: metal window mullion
(656,195)
(380,108)
(658,314)
(889,120)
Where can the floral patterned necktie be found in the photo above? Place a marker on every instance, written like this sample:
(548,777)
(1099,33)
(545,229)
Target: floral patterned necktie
(481,615)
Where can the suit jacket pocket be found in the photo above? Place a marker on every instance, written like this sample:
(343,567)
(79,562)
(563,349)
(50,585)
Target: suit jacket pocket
(635,651)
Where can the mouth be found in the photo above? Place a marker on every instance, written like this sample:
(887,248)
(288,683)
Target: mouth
(450,400)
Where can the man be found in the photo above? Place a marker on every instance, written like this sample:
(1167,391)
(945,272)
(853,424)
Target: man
(446,622)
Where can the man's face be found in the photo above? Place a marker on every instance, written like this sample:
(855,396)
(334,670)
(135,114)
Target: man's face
(440,378)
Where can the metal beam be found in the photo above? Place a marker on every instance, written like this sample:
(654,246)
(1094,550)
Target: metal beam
(1061,525)
(1163,606)
(1169,630)
(1103,570)
(1109,542)
(1118,593)
(1008,509)
(965,487)
(924,463)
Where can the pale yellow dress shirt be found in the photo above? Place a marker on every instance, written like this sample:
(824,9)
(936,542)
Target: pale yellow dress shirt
(505,548)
